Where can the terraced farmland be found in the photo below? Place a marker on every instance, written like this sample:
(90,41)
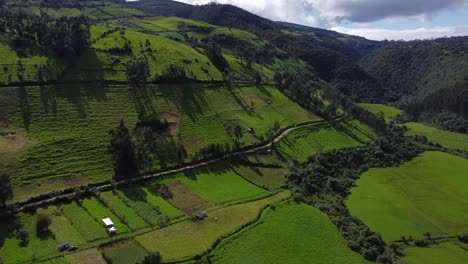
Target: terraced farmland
(291,233)
(427,194)
(67,126)
(305,142)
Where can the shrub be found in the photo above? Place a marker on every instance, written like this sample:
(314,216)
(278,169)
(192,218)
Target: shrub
(420,243)
(42,224)
(22,235)
(153,258)
(463,238)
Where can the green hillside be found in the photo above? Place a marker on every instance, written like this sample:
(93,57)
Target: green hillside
(423,195)
(292,233)
(389,112)
(447,139)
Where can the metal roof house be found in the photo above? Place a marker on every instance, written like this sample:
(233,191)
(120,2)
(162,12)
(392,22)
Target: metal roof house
(109,225)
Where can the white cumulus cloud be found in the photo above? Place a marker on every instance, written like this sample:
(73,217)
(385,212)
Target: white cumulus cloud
(333,13)
(410,34)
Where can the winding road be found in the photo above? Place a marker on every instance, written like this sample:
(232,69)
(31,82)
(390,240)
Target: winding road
(265,145)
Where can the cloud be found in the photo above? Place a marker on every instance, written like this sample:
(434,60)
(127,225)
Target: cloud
(412,34)
(328,13)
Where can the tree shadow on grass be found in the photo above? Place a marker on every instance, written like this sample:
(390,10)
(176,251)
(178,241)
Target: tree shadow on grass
(340,127)
(218,168)
(135,194)
(190,99)
(25,107)
(7,231)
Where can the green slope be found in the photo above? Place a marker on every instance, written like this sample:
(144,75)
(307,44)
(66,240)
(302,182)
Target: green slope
(427,194)
(291,233)
(447,139)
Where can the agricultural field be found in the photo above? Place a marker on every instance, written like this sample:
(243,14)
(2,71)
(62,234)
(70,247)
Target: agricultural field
(290,233)
(209,116)
(85,224)
(88,256)
(220,184)
(443,252)
(427,194)
(38,248)
(184,198)
(97,210)
(123,211)
(62,131)
(389,112)
(269,178)
(61,227)
(67,133)
(305,142)
(446,139)
(25,67)
(187,239)
(128,251)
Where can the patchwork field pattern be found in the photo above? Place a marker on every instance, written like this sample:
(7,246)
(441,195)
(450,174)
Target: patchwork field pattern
(219,184)
(184,198)
(186,239)
(427,194)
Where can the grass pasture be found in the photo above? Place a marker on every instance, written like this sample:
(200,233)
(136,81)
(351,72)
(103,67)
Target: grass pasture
(269,178)
(208,113)
(304,142)
(128,251)
(447,139)
(68,126)
(187,239)
(389,112)
(444,252)
(292,233)
(427,194)
(38,248)
(220,184)
(61,227)
(88,227)
(88,256)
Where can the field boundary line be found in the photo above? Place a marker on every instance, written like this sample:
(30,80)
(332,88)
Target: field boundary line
(107,185)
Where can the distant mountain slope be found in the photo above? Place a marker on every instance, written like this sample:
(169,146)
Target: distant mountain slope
(331,54)
(232,16)
(419,68)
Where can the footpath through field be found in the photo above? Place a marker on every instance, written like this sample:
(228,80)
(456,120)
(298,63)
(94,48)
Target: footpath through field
(248,149)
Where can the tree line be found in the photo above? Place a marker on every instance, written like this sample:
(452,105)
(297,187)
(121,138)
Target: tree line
(64,37)
(326,179)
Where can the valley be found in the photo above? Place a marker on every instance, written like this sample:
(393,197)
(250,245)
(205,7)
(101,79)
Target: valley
(156,131)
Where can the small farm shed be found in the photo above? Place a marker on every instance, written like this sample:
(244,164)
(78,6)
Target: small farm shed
(109,225)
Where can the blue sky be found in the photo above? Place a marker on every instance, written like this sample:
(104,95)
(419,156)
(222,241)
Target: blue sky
(373,19)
